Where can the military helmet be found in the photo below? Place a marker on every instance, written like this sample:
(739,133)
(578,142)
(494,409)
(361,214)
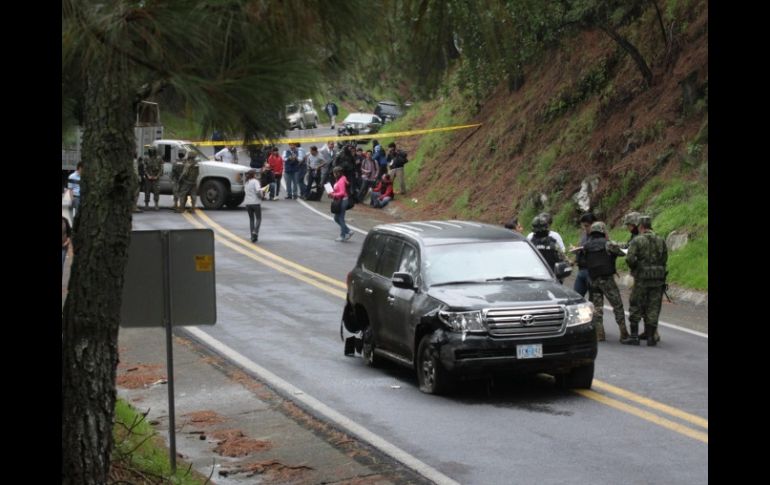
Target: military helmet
(539,223)
(191,155)
(645,221)
(548,217)
(599,227)
(631,218)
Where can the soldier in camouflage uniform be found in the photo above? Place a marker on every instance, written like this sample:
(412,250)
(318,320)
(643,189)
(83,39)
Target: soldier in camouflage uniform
(647,258)
(153,168)
(598,256)
(631,221)
(188,183)
(176,173)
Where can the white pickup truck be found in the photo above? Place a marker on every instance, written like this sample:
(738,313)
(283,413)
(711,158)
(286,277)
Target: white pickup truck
(219,183)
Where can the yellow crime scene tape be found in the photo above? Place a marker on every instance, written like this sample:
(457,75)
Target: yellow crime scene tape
(283,141)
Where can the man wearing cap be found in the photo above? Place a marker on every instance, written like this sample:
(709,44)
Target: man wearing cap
(647,257)
(598,256)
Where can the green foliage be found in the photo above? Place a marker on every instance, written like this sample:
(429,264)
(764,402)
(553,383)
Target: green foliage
(140,451)
(593,82)
(681,268)
(545,160)
(460,205)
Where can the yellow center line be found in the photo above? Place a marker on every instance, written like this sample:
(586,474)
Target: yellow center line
(244,248)
(235,247)
(266,253)
(646,415)
(672,411)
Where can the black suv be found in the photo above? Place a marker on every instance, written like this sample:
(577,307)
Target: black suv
(451,298)
(388,110)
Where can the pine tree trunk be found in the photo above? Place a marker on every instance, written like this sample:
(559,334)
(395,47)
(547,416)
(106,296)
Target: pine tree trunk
(92,311)
(632,51)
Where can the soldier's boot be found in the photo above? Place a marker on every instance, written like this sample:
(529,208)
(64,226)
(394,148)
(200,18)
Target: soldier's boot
(192,206)
(651,331)
(633,338)
(156,206)
(623,332)
(146,203)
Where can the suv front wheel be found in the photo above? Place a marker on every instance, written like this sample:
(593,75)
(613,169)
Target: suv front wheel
(431,375)
(212,194)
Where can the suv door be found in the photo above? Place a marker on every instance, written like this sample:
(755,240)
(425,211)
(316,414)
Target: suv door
(397,310)
(386,332)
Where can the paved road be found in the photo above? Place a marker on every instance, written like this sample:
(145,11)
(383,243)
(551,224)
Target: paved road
(645,421)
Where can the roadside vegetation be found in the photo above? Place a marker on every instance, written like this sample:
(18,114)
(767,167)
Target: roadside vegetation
(140,455)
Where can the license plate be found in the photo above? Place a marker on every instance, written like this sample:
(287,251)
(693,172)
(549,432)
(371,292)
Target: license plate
(532,351)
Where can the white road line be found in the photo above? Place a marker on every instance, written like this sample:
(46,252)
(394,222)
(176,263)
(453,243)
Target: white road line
(360,231)
(670,325)
(347,424)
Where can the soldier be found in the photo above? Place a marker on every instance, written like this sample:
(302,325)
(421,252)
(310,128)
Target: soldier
(598,257)
(545,243)
(647,257)
(153,169)
(631,220)
(188,182)
(176,173)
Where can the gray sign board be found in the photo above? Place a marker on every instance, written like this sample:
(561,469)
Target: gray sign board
(170,274)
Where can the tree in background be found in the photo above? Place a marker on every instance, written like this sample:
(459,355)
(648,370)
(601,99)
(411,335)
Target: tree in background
(236,63)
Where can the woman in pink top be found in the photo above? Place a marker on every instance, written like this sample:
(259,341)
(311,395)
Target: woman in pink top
(341,193)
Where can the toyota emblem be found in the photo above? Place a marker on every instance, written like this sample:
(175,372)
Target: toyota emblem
(527,320)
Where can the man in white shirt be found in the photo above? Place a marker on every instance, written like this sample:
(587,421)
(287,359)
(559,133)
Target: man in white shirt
(227,155)
(327,153)
(555,235)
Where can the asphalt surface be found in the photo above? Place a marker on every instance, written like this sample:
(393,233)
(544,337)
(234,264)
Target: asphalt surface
(517,431)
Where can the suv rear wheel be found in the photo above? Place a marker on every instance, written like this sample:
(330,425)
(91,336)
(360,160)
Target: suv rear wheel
(431,375)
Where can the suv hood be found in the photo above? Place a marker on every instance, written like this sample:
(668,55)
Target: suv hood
(223,166)
(476,296)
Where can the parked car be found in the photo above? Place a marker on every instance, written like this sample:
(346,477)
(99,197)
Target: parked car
(360,124)
(388,110)
(454,299)
(301,115)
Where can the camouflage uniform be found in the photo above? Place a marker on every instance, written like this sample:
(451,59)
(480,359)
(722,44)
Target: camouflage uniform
(176,173)
(647,257)
(153,169)
(188,183)
(598,255)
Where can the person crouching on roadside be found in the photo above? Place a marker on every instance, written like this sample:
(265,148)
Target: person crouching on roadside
(382,193)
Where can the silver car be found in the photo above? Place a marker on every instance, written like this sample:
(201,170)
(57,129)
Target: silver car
(301,115)
(363,123)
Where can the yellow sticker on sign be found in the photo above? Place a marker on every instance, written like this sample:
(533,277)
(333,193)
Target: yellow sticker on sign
(204,262)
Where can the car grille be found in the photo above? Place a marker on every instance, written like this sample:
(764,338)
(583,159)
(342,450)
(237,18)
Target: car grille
(509,322)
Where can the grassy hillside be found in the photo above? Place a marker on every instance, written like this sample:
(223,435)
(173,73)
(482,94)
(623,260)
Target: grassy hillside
(582,116)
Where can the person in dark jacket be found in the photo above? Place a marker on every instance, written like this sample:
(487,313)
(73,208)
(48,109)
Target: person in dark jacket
(598,257)
(396,161)
(582,279)
(545,243)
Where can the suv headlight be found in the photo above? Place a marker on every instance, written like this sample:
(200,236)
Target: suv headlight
(579,314)
(463,321)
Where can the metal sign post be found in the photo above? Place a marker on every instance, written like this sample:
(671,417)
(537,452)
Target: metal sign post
(170,280)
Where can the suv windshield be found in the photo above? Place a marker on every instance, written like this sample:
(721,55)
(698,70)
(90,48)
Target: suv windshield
(291,109)
(480,262)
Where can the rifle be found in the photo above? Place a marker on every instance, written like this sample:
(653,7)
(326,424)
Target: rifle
(665,292)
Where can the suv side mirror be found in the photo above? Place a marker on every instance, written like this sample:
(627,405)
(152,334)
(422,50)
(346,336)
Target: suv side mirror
(562,269)
(403,280)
